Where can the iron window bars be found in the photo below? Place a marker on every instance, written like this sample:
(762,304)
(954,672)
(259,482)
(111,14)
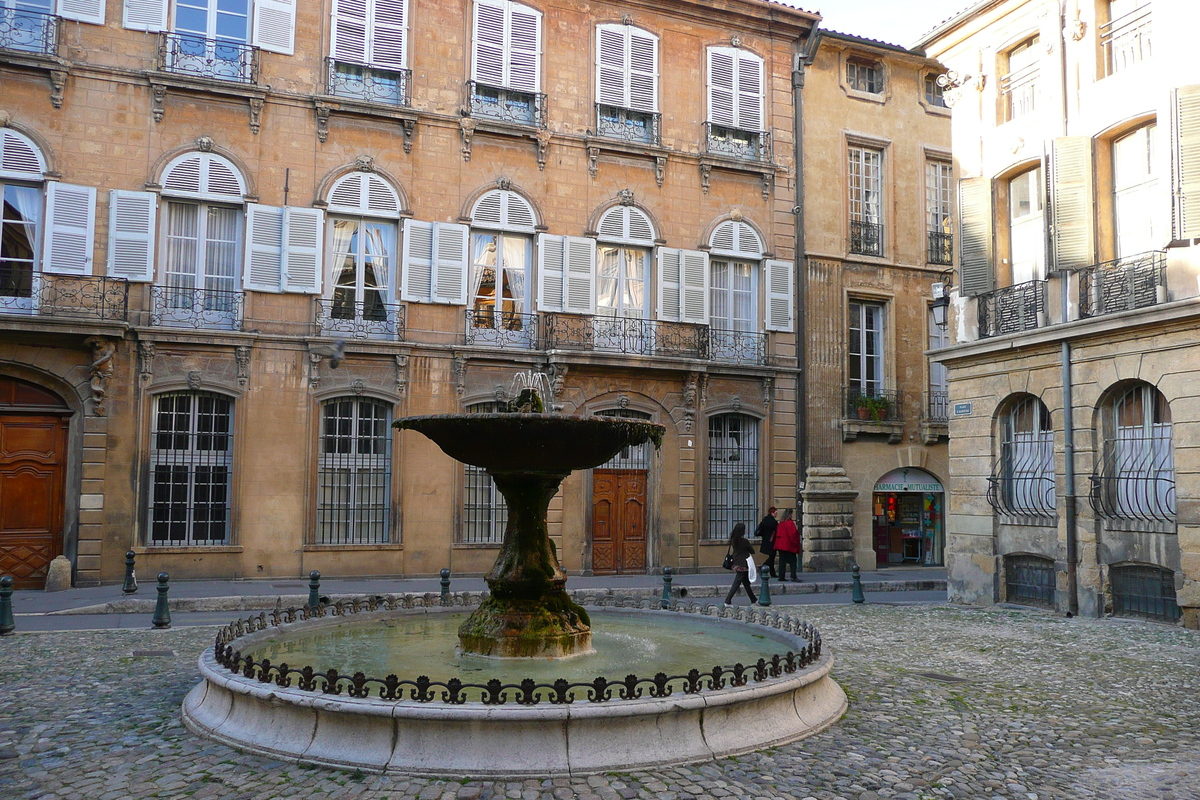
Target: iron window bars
(191,460)
(366,320)
(1012,309)
(937,406)
(1029,580)
(181,307)
(941,248)
(866,238)
(614,122)
(501,329)
(85,297)
(1135,479)
(733,454)
(506,105)
(28,31)
(354,472)
(372,84)
(631,457)
(485,512)
(217,59)
(1144,591)
(739,143)
(1022,482)
(1123,284)
(1126,40)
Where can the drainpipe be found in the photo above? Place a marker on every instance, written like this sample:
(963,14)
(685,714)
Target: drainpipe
(804,58)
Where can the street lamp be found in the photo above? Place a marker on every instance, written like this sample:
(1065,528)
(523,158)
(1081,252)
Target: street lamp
(941,298)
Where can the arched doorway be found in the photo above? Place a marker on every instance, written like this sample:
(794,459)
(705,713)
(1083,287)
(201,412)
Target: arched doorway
(33,468)
(909,519)
(619,508)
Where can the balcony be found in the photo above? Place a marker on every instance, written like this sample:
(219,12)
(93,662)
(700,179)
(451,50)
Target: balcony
(370,84)
(1018,92)
(199,309)
(628,125)
(505,330)
(1126,40)
(866,238)
(624,335)
(941,248)
(214,59)
(1012,309)
(935,416)
(872,411)
(345,319)
(65,297)
(28,32)
(1123,284)
(737,143)
(737,347)
(506,105)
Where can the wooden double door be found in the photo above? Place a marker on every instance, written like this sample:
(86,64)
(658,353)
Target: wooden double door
(618,521)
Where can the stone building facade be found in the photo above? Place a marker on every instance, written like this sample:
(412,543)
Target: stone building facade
(240,240)
(876,216)
(1073,373)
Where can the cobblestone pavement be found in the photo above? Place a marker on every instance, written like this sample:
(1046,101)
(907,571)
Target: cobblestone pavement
(945,702)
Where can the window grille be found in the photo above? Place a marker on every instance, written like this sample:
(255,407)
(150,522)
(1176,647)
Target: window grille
(1022,482)
(191,461)
(485,514)
(1136,477)
(633,457)
(1144,591)
(732,474)
(1029,580)
(354,473)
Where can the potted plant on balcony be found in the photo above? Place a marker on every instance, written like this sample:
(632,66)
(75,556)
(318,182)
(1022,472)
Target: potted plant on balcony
(878,407)
(862,404)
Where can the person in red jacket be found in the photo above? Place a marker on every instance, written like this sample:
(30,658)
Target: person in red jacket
(787,545)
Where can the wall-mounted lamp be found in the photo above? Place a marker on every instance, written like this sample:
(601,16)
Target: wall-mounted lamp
(941,298)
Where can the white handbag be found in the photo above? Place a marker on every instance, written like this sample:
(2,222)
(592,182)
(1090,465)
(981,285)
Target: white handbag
(753,570)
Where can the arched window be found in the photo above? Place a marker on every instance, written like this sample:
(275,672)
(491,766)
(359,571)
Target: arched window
(502,227)
(354,472)
(624,243)
(363,211)
(733,477)
(734,265)
(1022,482)
(191,465)
(1136,476)
(485,514)
(21,188)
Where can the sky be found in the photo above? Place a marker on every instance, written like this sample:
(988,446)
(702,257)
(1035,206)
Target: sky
(895,21)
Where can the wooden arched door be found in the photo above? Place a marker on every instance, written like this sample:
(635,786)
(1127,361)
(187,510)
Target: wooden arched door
(33,466)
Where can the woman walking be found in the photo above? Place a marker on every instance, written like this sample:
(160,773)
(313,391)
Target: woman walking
(787,545)
(742,551)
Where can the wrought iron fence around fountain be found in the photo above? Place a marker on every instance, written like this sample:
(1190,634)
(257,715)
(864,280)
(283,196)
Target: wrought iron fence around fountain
(526,692)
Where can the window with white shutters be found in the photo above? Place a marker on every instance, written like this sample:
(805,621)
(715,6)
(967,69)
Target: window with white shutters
(736,116)
(70,229)
(506,56)
(434,263)
(501,268)
(627,83)
(131,217)
(215,39)
(369,52)
(21,222)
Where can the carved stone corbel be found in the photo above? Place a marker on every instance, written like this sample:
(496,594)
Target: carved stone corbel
(626,197)
(768,390)
(322,122)
(593,154)
(314,371)
(705,174)
(364,163)
(402,375)
(100,370)
(460,375)
(195,379)
(158,97)
(691,388)
(467,126)
(703,400)
(241,354)
(660,169)
(145,352)
(736,403)
(558,380)
(768,181)
(256,108)
(358,387)
(58,83)
(408,127)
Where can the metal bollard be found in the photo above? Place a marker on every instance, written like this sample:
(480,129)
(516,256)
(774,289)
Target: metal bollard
(7,623)
(857,593)
(314,590)
(764,596)
(130,586)
(666,595)
(445,598)
(162,609)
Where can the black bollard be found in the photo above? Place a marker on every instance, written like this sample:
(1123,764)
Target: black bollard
(130,586)
(764,596)
(162,609)
(445,598)
(7,623)
(856,593)
(666,595)
(314,590)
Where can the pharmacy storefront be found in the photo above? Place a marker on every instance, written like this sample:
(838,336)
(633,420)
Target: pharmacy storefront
(909,520)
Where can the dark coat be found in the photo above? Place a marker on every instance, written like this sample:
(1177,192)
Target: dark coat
(766,532)
(742,550)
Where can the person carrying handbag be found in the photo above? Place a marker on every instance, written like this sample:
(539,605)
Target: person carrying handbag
(766,534)
(739,555)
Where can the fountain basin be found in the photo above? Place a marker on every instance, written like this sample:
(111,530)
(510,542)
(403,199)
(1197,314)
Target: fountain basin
(512,739)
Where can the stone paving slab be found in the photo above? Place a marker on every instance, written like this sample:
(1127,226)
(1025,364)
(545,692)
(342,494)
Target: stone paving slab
(946,702)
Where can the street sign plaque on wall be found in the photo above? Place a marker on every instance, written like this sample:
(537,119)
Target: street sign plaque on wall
(962,409)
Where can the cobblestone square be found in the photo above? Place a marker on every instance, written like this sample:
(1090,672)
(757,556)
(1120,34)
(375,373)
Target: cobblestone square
(946,702)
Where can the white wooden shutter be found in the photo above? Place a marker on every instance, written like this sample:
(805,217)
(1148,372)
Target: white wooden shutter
(1185,144)
(693,272)
(131,234)
(721,89)
(82,10)
(349,27)
(551,271)
(611,72)
(450,263)
(488,50)
(145,15)
(579,293)
(264,248)
(416,280)
(1072,203)
(975,236)
(70,229)
(643,71)
(302,229)
(389,40)
(275,25)
(19,157)
(780,311)
(524,44)
(669,283)
(749,91)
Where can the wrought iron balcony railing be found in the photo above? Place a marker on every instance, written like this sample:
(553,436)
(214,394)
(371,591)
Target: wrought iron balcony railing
(937,407)
(28,31)
(344,318)
(941,248)
(506,105)
(1018,92)
(866,238)
(175,307)
(218,59)
(1136,479)
(623,335)
(1022,484)
(737,347)
(614,122)
(874,405)
(502,329)
(75,297)
(1126,40)
(1012,309)
(737,142)
(372,84)
(1123,284)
